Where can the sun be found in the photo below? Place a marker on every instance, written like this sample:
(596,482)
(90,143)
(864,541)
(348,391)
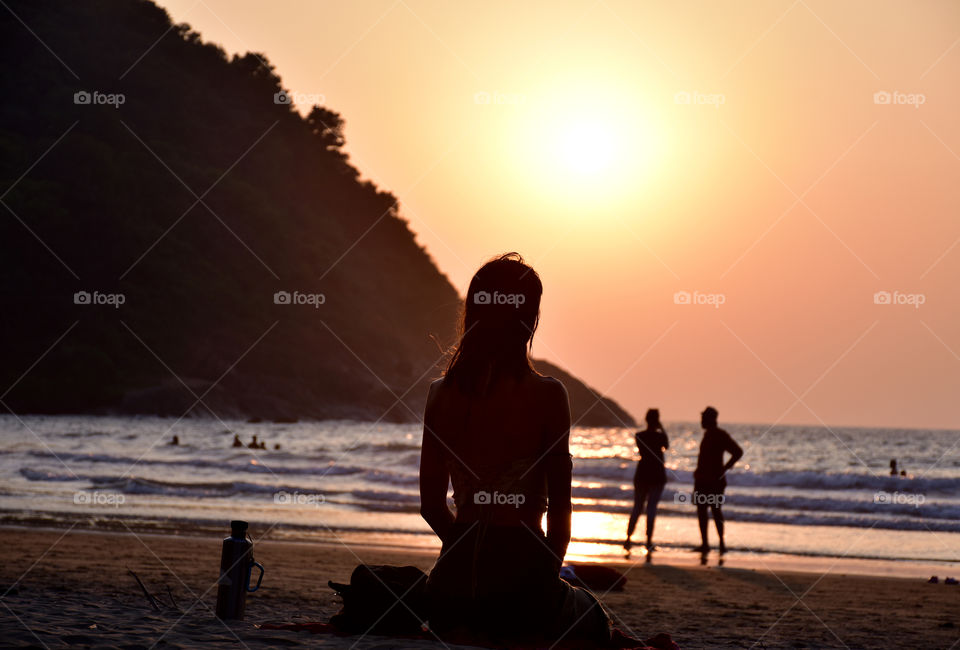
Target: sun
(588,148)
(578,144)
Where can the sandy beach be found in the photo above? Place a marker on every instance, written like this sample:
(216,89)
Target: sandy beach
(73,588)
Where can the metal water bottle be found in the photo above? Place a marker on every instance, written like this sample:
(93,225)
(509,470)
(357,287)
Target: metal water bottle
(236,568)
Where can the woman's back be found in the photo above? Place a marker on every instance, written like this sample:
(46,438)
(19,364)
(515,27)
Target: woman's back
(495,447)
(510,413)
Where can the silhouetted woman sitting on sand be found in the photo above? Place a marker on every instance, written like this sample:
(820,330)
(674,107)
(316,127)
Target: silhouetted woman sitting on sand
(500,432)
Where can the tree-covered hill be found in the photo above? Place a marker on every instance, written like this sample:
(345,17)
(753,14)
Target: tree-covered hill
(160,204)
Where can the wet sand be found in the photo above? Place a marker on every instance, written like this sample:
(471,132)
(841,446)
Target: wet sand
(72,588)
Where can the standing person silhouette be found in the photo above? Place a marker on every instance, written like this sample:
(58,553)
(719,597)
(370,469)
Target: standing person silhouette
(499,432)
(710,477)
(649,477)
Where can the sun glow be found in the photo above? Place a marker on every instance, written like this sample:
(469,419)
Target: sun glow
(580,142)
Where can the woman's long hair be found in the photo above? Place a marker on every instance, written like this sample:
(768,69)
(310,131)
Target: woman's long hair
(500,315)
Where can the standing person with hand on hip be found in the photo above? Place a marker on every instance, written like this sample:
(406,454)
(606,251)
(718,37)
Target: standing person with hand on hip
(710,477)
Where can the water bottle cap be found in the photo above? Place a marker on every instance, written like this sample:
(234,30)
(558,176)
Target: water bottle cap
(238,528)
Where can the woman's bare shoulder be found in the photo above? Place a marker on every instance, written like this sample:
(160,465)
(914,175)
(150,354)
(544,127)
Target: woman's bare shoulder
(436,388)
(548,388)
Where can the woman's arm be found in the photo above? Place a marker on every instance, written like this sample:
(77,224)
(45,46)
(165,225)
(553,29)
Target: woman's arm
(559,469)
(434,476)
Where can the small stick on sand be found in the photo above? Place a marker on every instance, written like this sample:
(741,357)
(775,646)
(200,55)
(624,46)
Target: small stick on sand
(170,593)
(150,597)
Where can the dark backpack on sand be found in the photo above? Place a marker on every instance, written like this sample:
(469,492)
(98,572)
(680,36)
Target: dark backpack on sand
(382,599)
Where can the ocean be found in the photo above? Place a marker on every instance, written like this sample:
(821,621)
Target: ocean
(802,491)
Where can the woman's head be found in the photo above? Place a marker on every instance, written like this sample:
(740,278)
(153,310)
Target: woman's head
(653,418)
(500,315)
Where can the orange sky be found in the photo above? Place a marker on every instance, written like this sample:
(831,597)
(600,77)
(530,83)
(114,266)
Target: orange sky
(631,151)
